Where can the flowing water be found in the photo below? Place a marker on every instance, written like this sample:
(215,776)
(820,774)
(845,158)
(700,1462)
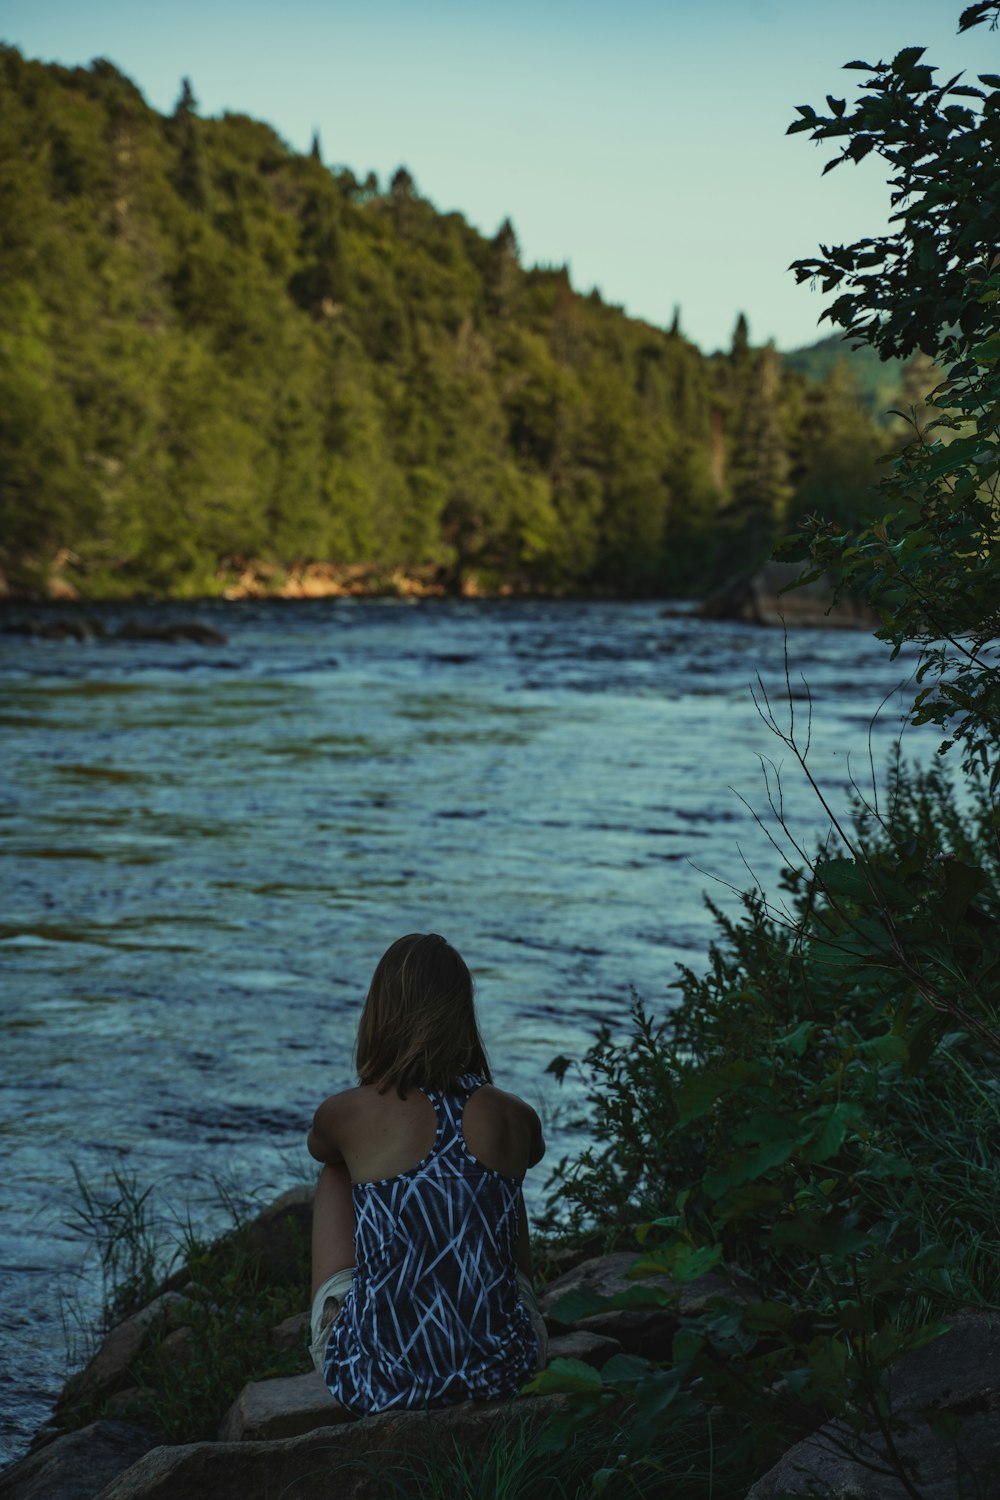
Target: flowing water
(205,849)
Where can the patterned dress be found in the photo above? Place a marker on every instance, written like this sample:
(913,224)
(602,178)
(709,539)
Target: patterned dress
(433,1316)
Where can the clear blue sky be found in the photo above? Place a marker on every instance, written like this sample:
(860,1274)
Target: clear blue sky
(640,141)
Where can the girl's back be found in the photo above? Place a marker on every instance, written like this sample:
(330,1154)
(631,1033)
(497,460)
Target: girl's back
(435,1313)
(381,1134)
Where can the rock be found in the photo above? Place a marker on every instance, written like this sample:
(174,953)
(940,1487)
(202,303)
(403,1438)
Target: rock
(23,625)
(957,1377)
(127,1402)
(292,1332)
(179,630)
(593,1348)
(273,1239)
(281,1408)
(646,1331)
(61,588)
(755,599)
(109,1367)
(72,628)
(66,630)
(76,1465)
(179,1347)
(340,1463)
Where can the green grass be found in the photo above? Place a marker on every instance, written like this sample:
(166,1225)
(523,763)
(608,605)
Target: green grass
(230,1310)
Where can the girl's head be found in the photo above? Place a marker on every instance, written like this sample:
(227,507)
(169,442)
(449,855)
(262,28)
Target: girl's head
(418,1027)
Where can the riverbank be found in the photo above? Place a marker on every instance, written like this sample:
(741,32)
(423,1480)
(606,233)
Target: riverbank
(202,1385)
(257,578)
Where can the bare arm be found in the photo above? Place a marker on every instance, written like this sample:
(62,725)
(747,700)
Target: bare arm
(323,1143)
(537,1148)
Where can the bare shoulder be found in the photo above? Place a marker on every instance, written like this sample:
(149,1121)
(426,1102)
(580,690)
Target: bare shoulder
(332,1122)
(504,1103)
(517,1115)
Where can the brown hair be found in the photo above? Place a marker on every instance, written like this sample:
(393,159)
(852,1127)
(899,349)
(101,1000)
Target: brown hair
(418,1027)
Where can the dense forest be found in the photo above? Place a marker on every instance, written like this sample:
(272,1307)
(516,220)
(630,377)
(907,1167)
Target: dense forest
(214,350)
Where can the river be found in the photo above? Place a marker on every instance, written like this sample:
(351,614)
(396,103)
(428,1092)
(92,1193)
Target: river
(205,849)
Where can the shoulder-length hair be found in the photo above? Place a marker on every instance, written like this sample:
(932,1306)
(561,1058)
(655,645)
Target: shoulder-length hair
(418,1027)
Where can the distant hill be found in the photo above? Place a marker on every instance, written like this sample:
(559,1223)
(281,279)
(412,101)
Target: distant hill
(878,381)
(222,359)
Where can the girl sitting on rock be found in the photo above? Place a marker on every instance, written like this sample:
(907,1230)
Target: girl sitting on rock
(421,1266)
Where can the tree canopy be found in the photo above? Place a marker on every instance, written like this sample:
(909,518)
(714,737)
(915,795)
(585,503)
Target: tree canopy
(213,348)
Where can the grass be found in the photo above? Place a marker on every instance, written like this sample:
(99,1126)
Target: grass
(182,1389)
(554,1460)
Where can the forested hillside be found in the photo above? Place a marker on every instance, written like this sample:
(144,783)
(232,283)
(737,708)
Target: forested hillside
(213,349)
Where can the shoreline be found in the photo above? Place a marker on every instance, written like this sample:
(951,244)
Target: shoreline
(258,580)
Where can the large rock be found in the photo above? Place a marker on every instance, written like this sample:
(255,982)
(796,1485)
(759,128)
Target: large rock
(280,1409)
(339,1463)
(66,628)
(77,1465)
(646,1331)
(195,631)
(757,599)
(293,1332)
(273,1241)
(275,1237)
(958,1378)
(109,1368)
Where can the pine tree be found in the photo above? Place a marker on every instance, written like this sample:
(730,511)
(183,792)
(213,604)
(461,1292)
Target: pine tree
(189,175)
(403,201)
(503,269)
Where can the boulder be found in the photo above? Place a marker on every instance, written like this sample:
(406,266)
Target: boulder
(23,625)
(179,1347)
(109,1368)
(291,1332)
(195,631)
(128,1403)
(756,598)
(76,1465)
(338,1463)
(72,628)
(281,1408)
(274,1237)
(646,1331)
(273,1241)
(953,1382)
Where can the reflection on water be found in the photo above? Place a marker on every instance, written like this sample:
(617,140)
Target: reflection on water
(206,850)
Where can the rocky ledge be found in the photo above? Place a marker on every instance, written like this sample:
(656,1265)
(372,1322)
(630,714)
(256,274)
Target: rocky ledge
(288,1436)
(757,599)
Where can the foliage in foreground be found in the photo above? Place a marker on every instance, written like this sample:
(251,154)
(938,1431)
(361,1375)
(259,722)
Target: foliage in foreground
(929,564)
(820,1117)
(808,1125)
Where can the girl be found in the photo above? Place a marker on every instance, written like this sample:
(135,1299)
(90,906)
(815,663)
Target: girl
(421,1266)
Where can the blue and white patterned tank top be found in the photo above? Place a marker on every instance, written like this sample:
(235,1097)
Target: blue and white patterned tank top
(433,1316)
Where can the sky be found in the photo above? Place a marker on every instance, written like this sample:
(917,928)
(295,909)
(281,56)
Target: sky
(640,142)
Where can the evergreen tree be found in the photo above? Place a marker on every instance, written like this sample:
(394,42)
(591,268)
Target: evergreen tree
(503,267)
(189,174)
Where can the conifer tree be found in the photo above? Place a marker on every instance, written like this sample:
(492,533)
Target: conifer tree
(503,269)
(189,176)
